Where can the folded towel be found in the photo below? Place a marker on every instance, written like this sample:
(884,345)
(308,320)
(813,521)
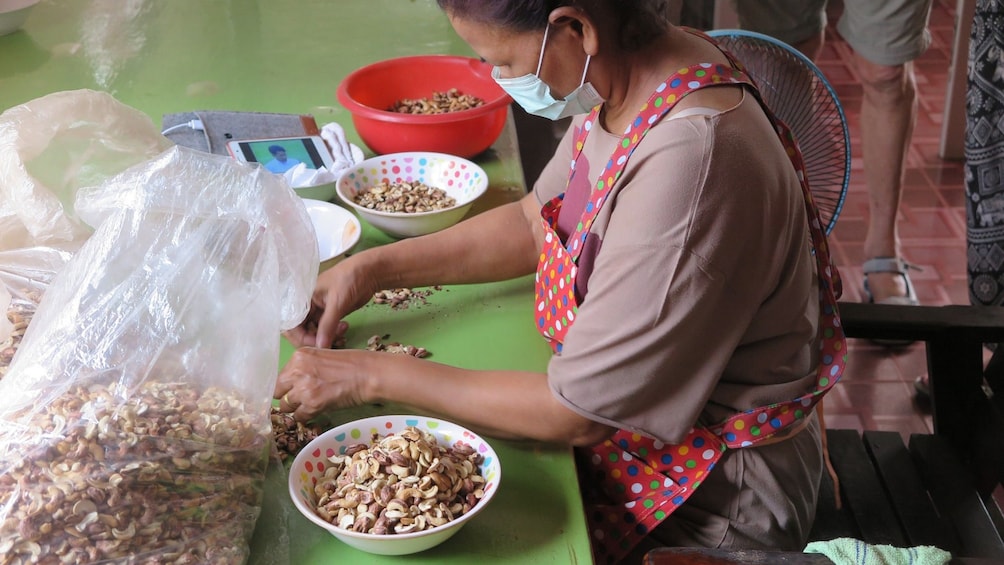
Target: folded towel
(343,156)
(343,153)
(849,551)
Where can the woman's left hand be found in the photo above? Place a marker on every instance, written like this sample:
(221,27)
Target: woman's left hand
(316,380)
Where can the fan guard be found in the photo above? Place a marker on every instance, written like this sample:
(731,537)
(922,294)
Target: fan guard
(798,93)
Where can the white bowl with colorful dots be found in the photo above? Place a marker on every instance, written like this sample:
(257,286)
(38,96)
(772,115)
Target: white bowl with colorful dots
(311,463)
(461,179)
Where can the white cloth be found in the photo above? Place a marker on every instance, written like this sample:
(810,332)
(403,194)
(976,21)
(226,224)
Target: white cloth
(343,156)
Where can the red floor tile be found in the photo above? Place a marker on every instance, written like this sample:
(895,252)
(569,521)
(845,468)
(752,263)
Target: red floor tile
(877,391)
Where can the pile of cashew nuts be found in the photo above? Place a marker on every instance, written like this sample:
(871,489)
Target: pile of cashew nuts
(400,483)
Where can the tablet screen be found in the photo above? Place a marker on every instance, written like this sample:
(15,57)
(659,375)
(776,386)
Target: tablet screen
(280,155)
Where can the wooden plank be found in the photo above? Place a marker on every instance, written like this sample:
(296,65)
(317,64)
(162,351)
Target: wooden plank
(917,515)
(703,556)
(973,423)
(954,496)
(986,456)
(955,370)
(862,491)
(890,321)
(831,523)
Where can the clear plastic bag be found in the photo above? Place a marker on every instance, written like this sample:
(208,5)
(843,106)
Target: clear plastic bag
(49,148)
(135,419)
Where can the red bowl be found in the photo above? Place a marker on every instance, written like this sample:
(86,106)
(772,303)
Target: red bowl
(368,92)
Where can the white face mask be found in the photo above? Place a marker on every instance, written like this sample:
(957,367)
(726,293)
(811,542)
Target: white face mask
(535,96)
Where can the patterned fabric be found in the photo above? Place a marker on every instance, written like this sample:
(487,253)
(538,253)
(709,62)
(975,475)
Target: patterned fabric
(634,482)
(984,152)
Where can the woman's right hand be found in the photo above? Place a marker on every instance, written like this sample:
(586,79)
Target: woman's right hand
(340,290)
(497,244)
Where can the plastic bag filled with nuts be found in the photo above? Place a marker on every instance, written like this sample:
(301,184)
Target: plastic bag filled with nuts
(50,147)
(134,420)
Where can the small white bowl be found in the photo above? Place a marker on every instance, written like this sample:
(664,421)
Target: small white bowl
(326,191)
(309,465)
(338,230)
(322,192)
(13,14)
(460,178)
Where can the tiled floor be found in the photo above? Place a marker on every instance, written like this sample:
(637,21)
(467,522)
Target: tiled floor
(877,390)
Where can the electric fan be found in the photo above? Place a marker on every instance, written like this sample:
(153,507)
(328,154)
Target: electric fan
(798,93)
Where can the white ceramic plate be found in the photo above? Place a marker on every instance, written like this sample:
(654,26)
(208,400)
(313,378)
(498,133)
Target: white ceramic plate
(338,230)
(13,14)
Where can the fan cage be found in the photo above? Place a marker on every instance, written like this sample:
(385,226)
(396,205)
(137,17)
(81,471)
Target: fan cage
(798,93)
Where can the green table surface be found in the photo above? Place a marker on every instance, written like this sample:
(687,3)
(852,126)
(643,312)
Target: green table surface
(166,56)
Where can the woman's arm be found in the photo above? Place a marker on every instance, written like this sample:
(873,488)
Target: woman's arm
(498,244)
(504,404)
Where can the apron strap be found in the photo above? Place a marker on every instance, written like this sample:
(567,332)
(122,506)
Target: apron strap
(652,478)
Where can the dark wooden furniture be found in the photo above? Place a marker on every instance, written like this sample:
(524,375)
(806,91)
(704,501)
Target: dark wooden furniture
(695,556)
(937,489)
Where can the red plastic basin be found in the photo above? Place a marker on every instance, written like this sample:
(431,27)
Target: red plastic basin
(367,93)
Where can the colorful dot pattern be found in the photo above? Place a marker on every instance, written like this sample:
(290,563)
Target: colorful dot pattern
(459,178)
(643,480)
(309,465)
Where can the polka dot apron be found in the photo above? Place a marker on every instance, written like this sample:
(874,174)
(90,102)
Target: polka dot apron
(631,483)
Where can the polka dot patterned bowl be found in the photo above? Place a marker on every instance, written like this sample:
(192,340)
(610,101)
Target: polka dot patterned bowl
(308,467)
(458,177)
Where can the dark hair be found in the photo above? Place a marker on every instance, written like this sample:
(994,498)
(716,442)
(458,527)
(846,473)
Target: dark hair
(273,149)
(639,21)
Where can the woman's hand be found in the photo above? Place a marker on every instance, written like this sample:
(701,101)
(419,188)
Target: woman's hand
(339,291)
(503,404)
(494,245)
(315,381)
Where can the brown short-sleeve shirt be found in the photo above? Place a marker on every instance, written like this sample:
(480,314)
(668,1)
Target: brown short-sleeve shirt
(699,295)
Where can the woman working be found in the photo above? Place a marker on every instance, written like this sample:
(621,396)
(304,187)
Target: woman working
(682,280)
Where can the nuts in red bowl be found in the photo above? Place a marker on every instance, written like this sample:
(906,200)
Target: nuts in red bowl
(470,107)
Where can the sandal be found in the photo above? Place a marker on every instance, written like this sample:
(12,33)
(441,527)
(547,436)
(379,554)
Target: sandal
(897,266)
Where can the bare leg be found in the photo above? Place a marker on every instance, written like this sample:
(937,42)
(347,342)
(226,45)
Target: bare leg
(888,114)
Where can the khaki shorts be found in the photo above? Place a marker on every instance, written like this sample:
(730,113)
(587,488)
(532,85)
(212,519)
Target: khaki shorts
(886,32)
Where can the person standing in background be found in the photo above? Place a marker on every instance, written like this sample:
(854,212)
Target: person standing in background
(984,155)
(886,37)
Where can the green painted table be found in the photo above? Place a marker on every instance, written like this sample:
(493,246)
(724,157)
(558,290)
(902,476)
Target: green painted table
(166,56)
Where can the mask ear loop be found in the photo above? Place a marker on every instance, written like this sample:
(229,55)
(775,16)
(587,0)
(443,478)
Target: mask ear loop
(540,60)
(543,45)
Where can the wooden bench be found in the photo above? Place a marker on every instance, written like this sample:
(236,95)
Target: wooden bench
(935,490)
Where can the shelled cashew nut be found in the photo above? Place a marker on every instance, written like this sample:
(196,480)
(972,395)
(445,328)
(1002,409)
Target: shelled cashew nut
(440,103)
(105,473)
(19,314)
(407,197)
(404,482)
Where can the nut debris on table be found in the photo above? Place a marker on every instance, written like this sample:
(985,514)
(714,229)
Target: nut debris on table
(290,435)
(376,343)
(401,298)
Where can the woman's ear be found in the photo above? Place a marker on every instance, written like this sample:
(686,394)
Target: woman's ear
(580,24)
